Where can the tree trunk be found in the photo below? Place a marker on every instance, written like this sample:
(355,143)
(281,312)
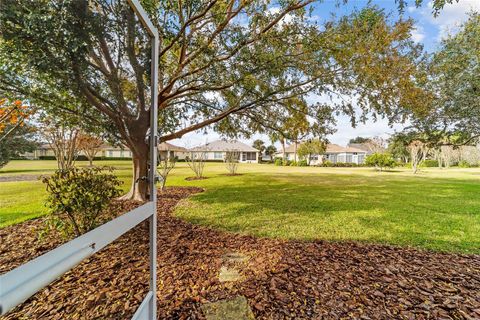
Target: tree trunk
(90,160)
(283,149)
(139,188)
(295,152)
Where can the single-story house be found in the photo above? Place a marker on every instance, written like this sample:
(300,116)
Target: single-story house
(106,151)
(170,151)
(333,153)
(368,148)
(217,150)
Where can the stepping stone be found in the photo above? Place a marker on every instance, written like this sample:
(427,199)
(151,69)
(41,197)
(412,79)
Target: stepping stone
(231,309)
(234,257)
(229,274)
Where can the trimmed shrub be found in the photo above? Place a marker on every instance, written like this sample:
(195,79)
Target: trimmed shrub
(327,164)
(278,162)
(429,164)
(292,163)
(380,161)
(77,197)
(464,164)
(302,163)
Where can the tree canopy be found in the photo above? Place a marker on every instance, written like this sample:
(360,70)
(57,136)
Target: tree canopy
(233,65)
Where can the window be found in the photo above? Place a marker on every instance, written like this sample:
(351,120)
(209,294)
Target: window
(110,153)
(121,154)
(218,155)
(314,157)
(349,158)
(249,156)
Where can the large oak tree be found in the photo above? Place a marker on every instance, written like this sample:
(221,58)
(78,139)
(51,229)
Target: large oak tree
(231,64)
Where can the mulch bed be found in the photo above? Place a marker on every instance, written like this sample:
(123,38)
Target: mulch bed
(281,279)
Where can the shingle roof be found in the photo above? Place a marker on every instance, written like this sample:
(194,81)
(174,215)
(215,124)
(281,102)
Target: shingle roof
(225,145)
(165,146)
(331,148)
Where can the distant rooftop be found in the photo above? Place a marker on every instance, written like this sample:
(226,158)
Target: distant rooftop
(225,145)
(331,148)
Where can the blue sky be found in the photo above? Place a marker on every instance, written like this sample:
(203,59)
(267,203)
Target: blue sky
(429,32)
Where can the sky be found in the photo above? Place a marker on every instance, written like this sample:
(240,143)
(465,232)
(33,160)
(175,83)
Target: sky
(429,31)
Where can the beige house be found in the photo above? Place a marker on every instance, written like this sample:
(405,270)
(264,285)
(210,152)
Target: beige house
(109,151)
(168,150)
(217,150)
(333,153)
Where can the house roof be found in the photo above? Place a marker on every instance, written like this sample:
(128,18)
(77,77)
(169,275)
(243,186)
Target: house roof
(165,146)
(225,145)
(331,148)
(363,146)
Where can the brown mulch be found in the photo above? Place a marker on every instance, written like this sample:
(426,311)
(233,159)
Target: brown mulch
(281,279)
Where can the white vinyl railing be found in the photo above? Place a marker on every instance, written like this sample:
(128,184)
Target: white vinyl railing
(24,281)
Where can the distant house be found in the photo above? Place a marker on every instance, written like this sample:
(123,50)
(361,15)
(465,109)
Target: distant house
(106,151)
(368,148)
(170,151)
(217,150)
(333,153)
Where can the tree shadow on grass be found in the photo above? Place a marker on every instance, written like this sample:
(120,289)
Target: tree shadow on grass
(429,213)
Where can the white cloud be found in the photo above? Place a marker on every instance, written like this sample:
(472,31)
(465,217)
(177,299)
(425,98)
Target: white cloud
(418,34)
(451,16)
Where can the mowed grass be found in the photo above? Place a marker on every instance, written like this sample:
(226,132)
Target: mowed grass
(436,209)
(24,200)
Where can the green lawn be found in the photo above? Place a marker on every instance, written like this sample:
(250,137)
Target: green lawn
(437,209)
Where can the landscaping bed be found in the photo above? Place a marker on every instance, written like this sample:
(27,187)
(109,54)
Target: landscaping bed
(280,279)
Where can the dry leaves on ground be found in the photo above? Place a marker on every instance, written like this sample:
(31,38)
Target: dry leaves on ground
(281,279)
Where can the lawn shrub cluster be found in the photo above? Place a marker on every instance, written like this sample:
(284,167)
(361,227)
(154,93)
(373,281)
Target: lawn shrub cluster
(380,161)
(77,197)
(329,164)
(289,163)
(429,163)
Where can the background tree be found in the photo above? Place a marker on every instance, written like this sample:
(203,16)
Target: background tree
(398,146)
(380,161)
(62,138)
(270,151)
(16,143)
(90,145)
(453,71)
(259,145)
(418,153)
(376,144)
(12,115)
(311,147)
(166,164)
(215,67)
(232,158)
(196,162)
(359,140)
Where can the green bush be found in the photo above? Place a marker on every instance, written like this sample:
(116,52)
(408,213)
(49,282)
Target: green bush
(285,162)
(293,163)
(278,162)
(327,164)
(464,164)
(77,197)
(429,164)
(380,161)
(302,163)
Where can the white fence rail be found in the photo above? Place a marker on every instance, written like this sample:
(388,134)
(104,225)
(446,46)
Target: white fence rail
(21,283)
